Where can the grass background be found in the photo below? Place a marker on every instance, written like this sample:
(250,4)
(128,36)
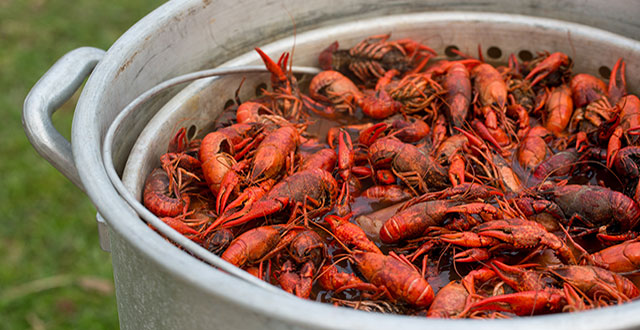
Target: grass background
(53,274)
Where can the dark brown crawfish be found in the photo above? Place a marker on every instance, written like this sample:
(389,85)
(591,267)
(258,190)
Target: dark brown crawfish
(374,56)
(410,164)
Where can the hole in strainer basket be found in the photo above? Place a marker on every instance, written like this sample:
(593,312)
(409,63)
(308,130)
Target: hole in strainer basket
(229,104)
(191,132)
(604,72)
(494,52)
(260,89)
(450,51)
(525,55)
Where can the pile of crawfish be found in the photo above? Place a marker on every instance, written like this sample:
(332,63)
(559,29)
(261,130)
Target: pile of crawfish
(405,183)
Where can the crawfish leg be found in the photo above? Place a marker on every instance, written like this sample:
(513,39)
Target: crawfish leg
(307,205)
(408,177)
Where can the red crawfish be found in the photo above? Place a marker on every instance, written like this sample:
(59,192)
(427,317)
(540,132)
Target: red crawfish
(236,139)
(345,161)
(271,155)
(335,92)
(559,108)
(324,159)
(271,158)
(454,144)
(439,130)
(257,112)
(315,188)
(254,244)
(157,196)
(518,233)
(450,301)
(545,66)
(594,117)
(616,92)
(180,162)
(216,155)
(408,163)
(246,199)
(453,300)
(286,100)
(533,295)
(451,152)
(629,123)
(407,129)
(526,303)
(586,88)
(250,112)
(330,278)
(533,148)
(350,234)
(619,258)
(457,83)
(398,278)
(491,91)
(597,283)
(220,149)
(379,103)
(518,111)
(489,86)
(416,219)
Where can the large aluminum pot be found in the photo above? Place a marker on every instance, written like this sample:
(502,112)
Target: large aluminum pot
(157,284)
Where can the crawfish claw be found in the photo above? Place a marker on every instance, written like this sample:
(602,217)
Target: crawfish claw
(472,255)
(467,239)
(616,92)
(524,303)
(371,134)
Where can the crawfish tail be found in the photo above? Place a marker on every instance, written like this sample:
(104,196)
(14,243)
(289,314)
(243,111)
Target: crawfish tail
(271,154)
(400,279)
(414,220)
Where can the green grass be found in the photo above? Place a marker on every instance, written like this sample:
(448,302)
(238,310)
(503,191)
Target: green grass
(53,274)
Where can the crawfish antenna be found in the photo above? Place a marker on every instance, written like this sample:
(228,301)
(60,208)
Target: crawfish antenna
(332,234)
(237,94)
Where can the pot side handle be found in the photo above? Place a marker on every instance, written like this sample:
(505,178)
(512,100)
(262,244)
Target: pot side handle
(55,87)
